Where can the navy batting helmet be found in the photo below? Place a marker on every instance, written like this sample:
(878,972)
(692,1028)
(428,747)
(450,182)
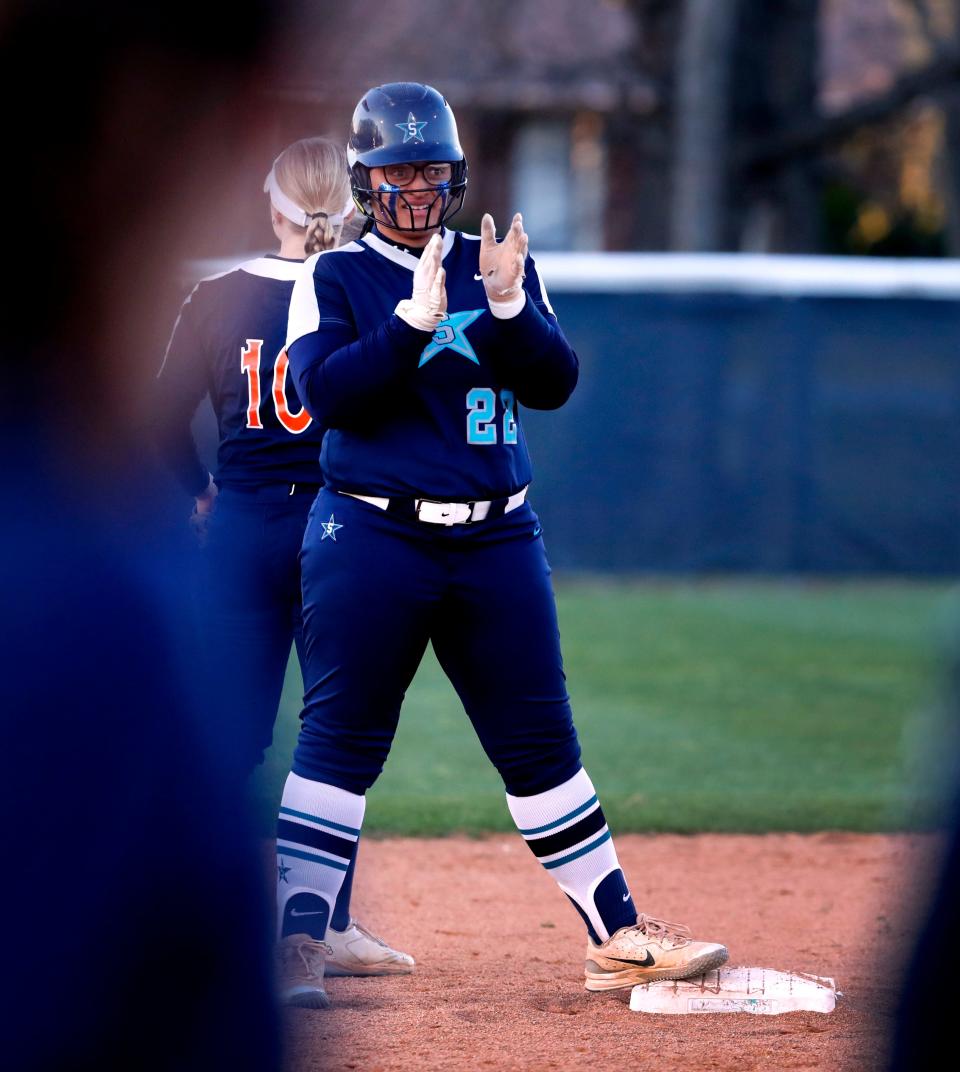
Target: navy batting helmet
(398,126)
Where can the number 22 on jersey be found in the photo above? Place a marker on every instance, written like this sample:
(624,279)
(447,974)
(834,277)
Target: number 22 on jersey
(250,364)
(482,417)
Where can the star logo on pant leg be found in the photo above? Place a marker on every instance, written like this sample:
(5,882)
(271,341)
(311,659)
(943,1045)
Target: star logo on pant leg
(450,335)
(282,871)
(329,529)
(411,129)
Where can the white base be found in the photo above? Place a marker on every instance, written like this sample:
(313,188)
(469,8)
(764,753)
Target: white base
(760,991)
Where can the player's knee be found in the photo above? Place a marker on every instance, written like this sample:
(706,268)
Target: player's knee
(354,769)
(349,780)
(538,770)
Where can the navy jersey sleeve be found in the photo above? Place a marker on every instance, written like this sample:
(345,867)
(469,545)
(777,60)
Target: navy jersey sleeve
(181,386)
(536,361)
(340,374)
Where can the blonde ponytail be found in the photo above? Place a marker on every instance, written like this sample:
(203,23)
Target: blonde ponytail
(321,234)
(313,174)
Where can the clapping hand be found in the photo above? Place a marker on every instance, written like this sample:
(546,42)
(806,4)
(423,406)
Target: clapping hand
(428,306)
(501,263)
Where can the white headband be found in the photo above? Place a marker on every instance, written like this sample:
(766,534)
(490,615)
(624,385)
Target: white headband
(293,212)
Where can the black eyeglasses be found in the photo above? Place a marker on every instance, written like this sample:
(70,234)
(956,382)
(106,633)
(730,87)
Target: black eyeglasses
(404,174)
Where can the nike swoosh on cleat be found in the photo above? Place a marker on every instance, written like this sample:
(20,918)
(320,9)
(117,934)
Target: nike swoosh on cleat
(647,962)
(294,912)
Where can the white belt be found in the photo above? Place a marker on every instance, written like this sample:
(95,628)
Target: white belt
(447,513)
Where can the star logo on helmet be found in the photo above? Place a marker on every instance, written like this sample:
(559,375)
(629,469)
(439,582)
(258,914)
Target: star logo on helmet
(411,129)
(451,335)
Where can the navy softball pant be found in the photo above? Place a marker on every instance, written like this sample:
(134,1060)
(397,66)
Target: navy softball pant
(251,613)
(377,587)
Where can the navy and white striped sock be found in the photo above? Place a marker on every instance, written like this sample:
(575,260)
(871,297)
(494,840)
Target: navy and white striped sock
(317,833)
(568,834)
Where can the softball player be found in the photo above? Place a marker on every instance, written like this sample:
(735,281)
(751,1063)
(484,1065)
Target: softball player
(415,346)
(229,343)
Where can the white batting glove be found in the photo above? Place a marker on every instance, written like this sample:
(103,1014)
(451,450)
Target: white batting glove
(501,266)
(428,306)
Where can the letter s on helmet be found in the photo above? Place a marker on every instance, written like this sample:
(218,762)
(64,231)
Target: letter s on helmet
(400,123)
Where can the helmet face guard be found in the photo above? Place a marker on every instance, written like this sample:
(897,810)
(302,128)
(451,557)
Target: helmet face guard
(405,123)
(397,211)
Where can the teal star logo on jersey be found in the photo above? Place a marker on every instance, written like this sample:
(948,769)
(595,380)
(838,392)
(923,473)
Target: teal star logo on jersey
(451,335)
(411,129)
(329,529)
(282,871)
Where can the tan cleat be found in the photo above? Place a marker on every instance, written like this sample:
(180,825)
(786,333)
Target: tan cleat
(356,951)
(300,963)
(651,949)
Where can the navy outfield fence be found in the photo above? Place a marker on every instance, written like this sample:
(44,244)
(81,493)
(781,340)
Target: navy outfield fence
(752,414)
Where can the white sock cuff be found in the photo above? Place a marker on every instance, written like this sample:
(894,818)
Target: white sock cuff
(317,800)
(563,804)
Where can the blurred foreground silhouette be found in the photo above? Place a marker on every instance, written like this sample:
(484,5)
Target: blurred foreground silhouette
(134,926)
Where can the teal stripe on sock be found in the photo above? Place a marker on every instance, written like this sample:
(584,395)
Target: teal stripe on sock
(299,854)
(559,822)
(322,822)
(580,852)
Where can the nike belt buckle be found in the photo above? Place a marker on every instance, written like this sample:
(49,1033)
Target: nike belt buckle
(440,513)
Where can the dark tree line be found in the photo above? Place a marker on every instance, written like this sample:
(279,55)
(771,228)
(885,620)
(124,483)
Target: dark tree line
(740,149)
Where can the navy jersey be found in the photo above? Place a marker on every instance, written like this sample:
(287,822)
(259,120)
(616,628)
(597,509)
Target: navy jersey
(414,413)
(229,343)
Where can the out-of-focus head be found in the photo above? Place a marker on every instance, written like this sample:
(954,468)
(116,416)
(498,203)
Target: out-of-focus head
(142,154)
(406,163)
(309,187)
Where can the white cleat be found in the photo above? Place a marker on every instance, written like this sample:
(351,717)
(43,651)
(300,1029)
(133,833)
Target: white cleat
(356,951)
(300,965)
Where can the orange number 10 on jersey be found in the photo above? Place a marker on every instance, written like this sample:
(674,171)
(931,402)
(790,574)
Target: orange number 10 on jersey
(250,364)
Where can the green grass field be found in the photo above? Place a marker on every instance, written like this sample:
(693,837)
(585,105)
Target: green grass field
(727,706)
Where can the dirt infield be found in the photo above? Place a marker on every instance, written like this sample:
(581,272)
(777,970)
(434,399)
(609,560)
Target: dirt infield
(499,953)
